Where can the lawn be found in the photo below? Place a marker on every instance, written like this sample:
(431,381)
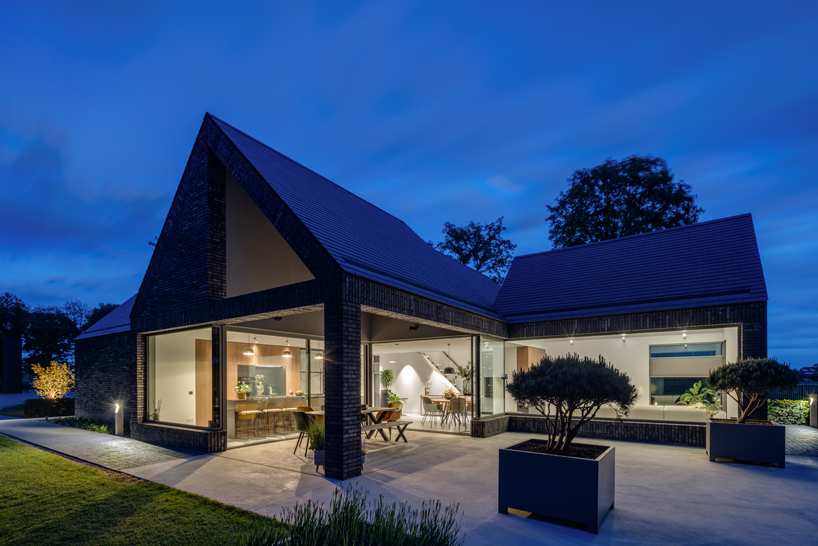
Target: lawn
(47,499)
(13,411)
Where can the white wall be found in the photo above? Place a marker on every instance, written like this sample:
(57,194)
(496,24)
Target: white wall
(631,356)
(411,373)
(173,378)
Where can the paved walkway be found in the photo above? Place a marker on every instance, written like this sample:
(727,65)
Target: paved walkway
(664,494)
(802,441)
(112,452)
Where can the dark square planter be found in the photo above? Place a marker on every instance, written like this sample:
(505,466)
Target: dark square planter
(761,443)
(580,490)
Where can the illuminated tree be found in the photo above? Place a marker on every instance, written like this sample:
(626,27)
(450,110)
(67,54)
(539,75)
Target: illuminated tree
(53,382)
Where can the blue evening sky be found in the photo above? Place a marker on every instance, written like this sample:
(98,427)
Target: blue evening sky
(434,111)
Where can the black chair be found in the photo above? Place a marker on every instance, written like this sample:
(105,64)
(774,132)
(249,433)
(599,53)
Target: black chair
(302,424)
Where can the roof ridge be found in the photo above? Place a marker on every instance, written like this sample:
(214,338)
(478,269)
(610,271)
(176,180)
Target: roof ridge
(288,158)
(647,233)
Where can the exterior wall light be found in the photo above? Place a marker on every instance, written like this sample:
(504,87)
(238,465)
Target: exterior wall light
(684,335)
(623,338)
(572,342)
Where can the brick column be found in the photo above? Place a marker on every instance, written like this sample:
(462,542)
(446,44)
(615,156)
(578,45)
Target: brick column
(342,387)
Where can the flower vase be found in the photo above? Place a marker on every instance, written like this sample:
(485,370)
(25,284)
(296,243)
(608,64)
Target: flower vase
(242,396)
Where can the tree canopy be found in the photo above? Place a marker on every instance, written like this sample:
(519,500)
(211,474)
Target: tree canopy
(574,389)
(750,381)
(479,246)
(618,198)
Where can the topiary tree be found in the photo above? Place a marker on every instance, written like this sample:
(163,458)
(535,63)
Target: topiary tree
(54,381)
(573,388)
(750,381)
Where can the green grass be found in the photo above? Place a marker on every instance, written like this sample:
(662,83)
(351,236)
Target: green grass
(46,499)
(13,411)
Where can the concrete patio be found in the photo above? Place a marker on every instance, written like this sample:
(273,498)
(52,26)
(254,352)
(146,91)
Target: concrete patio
(664,494)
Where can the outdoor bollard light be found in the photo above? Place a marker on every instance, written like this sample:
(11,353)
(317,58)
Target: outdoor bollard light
(119,422)
(813,410)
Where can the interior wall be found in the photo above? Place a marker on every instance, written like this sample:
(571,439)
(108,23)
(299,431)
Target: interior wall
(173,375)
(631,356)
(258,257)
(412,371)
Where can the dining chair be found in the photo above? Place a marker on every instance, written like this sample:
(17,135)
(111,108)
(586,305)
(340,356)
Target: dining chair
(395,415)
(457,409)
(291,404)
(302,424)
(430,409)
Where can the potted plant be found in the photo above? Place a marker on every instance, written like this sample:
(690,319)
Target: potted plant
(156,409)
(702,398)
(242,389)
(395,398)
(315,434)
(466,372)
(259,385)
(557,477)
(749,382)
(387,377)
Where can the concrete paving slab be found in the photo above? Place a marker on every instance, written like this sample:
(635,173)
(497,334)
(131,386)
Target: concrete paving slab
(664,494)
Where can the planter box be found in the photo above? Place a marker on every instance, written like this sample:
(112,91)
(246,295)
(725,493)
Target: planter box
(569,488)
(746,441)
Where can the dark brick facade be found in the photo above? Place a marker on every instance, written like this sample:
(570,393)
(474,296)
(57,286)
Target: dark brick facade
(104,371)
(204,440)
(342,388)
(653,432)
(750,317)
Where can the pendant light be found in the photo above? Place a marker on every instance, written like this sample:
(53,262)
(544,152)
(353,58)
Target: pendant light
(319,356)
(249,350)
(287,353)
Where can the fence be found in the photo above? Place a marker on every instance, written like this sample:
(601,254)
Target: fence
(801,392)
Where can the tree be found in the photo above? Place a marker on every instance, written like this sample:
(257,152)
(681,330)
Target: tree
(77,311)
(750,381)
(98,313)
(575,388)
(618,198)
(479,246)
(14,315)
(49,336)
(53,382)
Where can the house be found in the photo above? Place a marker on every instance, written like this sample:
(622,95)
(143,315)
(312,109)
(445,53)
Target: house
(269,278)
(11,365)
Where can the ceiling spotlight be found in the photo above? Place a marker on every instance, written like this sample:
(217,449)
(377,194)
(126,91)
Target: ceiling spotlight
(391,361)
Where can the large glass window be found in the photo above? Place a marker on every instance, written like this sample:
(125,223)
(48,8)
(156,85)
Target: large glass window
(180,370)
(686,350)
(316,374)
(492,369)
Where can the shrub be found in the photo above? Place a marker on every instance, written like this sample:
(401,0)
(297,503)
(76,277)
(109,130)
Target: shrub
(575,388)
(53,382)
(41,407)
(83,423)
(352,520)
(753,378)
(789,412)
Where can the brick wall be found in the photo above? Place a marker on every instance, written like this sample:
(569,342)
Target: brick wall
(206,441)
(342,379)
(629,431)
(104,376)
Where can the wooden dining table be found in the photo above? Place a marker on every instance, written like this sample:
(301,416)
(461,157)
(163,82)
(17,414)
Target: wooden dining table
(371,413)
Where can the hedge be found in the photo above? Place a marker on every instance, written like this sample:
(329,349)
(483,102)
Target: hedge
(42,407)
(789,412)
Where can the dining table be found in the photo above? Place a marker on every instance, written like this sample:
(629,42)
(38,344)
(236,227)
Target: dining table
(371,413)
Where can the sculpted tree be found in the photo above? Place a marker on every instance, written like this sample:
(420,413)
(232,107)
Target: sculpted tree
(750,381)
(479,246)
(618,198)
(572,388)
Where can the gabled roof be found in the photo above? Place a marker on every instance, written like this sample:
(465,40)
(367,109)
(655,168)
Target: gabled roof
(363,239)
(709,263)
(118,320)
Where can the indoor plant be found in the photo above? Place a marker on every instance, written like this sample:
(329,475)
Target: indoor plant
(315,433)
(573,389)
(387,377)
(749,382)
(242,389)
(466,372)
(259,384)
